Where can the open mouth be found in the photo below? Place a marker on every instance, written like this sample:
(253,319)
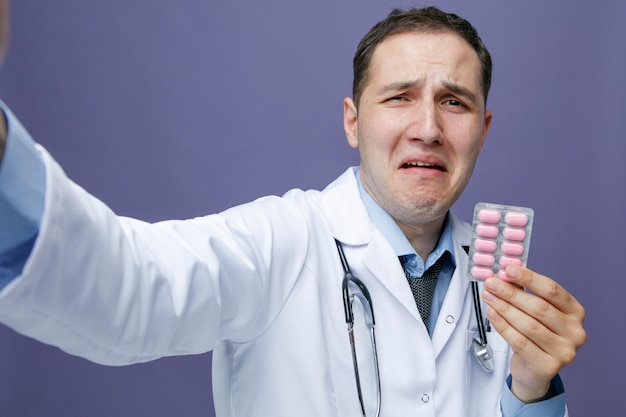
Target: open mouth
(418,164)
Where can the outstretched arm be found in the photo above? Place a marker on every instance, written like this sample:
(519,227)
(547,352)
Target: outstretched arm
(543,325)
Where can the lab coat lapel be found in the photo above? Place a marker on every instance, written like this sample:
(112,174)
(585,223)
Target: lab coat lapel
(351,225)
(382,262)
(458,294)
(345,211)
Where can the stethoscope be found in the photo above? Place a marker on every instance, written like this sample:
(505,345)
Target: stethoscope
(353,288)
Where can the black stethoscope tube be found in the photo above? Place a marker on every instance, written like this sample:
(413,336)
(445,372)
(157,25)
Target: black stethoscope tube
(363,294)
(482,350)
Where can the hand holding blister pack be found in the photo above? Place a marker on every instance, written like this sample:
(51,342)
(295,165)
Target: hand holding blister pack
(500,237)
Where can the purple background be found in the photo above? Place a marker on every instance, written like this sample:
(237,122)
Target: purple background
(171,109)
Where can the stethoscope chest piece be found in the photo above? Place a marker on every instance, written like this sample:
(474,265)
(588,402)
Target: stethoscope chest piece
(483,354)
(482,350)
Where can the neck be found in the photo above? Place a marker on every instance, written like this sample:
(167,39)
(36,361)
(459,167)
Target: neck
(423,237)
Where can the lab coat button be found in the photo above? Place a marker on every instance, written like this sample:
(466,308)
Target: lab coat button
(450,319)
(425,398)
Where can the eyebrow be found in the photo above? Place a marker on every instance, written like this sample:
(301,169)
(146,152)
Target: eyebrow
(461,91)
(399,86)
(448,85)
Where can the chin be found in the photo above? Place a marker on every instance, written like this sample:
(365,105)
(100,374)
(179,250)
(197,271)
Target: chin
(423,212)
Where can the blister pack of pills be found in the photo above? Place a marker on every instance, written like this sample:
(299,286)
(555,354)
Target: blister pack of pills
(500,237)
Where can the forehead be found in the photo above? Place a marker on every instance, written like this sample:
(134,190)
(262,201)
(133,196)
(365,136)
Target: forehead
(433,57)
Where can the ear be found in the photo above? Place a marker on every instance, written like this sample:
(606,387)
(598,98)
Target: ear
(487,123)
(350,122)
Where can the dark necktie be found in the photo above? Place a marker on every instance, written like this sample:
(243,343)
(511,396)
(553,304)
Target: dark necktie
(423,287)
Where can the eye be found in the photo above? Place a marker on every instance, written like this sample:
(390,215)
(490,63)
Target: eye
(397,100)
(454,102)
(455,105)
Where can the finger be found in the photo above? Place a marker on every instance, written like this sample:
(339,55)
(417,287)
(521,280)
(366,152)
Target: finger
(516,307)
(503,296)
(542,364)
(546,288)
(557,334)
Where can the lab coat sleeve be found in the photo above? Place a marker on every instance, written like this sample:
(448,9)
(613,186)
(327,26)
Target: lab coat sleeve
(117,290)
(21,198)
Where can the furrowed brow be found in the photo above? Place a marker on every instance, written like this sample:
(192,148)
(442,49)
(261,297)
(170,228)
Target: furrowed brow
(399,86)
(462,91)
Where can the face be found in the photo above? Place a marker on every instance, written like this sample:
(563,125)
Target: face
(419,126)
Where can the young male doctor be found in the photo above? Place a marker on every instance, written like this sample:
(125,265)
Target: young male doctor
(261,284)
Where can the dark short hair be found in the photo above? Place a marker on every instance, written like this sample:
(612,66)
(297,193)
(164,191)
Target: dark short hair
(425,20)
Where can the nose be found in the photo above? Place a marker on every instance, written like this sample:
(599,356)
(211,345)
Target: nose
(425,123)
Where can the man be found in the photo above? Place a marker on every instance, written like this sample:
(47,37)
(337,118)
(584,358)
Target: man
(260,284)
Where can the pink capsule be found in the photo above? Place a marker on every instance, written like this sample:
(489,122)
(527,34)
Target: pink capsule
(514,249)
(515,218)
(483,230)
(505,261)
(485,245)
(481,273)
(489,216)
(483,259)
(513,233)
